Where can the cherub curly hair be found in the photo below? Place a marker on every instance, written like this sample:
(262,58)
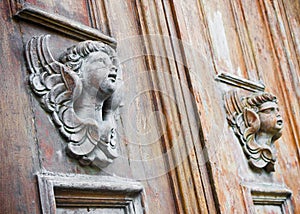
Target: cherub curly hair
(75,55)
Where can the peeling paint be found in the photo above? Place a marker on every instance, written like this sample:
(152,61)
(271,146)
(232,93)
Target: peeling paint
(219,40)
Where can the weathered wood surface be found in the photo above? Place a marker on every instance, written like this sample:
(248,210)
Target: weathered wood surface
(18,145)
(199,166)
(83,193)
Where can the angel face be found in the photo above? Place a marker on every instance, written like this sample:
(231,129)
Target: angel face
(270,119)
(99,74)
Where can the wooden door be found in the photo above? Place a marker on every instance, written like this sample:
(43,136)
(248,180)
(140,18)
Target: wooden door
(177,151)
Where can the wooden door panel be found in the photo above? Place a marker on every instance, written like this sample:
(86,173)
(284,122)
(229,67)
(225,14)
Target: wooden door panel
(136,160)
(178,60)
(18,187)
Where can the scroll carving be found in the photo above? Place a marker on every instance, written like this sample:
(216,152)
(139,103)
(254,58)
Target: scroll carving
(82,93)
(257,123)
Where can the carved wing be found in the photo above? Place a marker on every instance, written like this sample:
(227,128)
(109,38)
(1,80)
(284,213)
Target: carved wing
(243,121)
(234,112)
(57,87)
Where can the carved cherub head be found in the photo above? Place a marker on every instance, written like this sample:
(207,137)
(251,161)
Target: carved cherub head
(96,64)
(257,122)
(82,93)
(96,98)
(268,115)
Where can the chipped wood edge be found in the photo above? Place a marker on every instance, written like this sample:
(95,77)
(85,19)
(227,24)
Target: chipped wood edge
(62,24)
(239,82)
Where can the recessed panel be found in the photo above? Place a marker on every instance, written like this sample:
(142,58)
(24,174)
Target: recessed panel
(87,210)
(268,209)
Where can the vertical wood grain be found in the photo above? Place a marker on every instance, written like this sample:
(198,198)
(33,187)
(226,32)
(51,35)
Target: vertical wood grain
(19,161)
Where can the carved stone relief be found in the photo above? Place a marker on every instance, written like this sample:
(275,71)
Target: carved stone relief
(82,93)
(257,123)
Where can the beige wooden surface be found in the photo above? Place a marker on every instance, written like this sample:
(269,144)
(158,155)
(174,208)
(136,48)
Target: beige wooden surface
(174,135)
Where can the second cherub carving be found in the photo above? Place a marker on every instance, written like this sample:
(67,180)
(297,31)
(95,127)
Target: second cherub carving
(257,123)
(82,93)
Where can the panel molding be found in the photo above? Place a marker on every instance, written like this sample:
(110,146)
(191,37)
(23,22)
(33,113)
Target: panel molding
(60,23)
(267,194)
(239,82)
(250,80)
(86,191)
(98,16)
(161,17)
